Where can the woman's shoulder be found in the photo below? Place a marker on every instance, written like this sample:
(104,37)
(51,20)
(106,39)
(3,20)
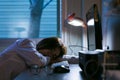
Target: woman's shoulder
(26,42)
(24,39)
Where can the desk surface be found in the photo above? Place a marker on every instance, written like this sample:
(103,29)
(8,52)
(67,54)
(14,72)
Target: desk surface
(74,74)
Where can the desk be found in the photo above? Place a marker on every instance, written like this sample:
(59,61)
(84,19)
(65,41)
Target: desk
(74,74)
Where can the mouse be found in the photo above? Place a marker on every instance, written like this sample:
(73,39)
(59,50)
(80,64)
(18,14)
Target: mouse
(61,69)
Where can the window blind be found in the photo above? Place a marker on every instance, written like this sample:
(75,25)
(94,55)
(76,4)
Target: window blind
(15,18)
(48,26)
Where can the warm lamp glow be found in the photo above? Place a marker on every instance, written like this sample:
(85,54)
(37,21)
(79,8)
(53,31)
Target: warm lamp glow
(90,22)
(75,21)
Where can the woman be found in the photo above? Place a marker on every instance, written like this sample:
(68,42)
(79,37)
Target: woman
(24,53)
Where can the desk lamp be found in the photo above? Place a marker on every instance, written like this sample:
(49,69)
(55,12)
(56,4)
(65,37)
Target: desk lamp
(88,60)
(76,21)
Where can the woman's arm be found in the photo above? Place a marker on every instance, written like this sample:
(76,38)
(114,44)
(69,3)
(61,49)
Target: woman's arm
(27,51)
(71,59)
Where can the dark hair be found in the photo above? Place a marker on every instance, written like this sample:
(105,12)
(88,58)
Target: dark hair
(51,43)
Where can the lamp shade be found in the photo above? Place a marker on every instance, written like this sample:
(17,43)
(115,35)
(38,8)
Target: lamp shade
(91,22)
(75,21)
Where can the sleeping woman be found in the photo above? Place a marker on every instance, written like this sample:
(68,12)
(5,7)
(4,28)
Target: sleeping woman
(24,53)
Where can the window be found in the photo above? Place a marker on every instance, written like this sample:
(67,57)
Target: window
(15,19)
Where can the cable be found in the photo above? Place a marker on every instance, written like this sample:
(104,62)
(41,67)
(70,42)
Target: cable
(75,46)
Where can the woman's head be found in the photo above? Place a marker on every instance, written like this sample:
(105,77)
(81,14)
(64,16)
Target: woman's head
(52,47)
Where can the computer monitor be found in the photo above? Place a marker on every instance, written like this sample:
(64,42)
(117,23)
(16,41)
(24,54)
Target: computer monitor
(94,29)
